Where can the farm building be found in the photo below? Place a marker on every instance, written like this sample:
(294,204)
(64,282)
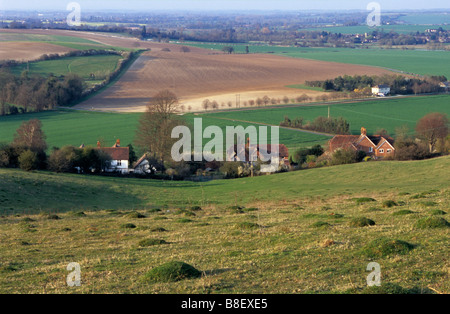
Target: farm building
(376,146)
(381,90)
(235,153)
(143,166)
(119,157)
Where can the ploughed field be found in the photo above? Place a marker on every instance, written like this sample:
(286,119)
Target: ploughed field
(195,76)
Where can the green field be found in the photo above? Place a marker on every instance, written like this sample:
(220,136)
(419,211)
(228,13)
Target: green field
(101,66)
(388,114)
(67,127)
(294,234)
(410,61)
(72,127)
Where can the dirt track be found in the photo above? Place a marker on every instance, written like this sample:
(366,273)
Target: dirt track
(204,74)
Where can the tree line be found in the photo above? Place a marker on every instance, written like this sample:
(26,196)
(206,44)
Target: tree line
(320,124)
(21,94)
(34,93)
(398,84)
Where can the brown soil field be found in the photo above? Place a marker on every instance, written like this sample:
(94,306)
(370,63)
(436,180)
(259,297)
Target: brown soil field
(26,51)
(194,77)
(203,74)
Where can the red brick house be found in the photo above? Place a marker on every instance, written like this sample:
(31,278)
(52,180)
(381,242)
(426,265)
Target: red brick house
(376,146)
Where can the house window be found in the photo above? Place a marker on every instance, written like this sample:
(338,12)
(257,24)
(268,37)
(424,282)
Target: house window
(370,149)
(119,162)
(389,151)
(381,151)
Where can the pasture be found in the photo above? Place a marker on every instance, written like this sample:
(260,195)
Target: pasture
(286,233)
(388,114)
(73,127)
(100,66)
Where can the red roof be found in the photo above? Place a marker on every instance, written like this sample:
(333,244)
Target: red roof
(117,153)
(343,141)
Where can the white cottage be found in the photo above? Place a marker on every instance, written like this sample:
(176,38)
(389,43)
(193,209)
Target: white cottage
(381,90)
(119,157)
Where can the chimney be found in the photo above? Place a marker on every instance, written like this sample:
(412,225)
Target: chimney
(98,144)
(117,143)
(363,131)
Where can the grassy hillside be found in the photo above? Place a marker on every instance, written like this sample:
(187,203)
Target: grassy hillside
(411,61)
(36,191)
(298,233)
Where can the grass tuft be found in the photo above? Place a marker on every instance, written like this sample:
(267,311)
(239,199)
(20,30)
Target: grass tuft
(432,223)
(383,247)
(361,222)
(171,272)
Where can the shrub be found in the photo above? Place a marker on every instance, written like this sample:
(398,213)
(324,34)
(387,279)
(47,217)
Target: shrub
(53,217)
(28,160)
(196,208)
(344,156)
(386,247)
(151,242)
(171,272)
(361,222)
(432,223)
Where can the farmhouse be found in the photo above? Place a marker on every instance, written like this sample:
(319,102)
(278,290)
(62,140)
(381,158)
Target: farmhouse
(376,146)
(236,153)
(381,90)
(119,157)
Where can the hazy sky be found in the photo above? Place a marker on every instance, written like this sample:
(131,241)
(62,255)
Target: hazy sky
(148,5)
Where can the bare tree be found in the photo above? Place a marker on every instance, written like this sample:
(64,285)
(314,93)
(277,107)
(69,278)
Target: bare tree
(30,136)
(206,104)
(156,125)
(432,128)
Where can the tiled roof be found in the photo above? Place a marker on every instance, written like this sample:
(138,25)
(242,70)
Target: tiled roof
(117,153)
(343,141)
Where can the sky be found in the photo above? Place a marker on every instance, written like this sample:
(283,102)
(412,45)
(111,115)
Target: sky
(213,5)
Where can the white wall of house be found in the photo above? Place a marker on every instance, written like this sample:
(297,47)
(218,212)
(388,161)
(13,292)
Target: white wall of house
(381,91)
(118,165)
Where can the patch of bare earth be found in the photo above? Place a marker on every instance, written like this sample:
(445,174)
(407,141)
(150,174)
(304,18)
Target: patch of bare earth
(196,76)
(204,74)
(26,51)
